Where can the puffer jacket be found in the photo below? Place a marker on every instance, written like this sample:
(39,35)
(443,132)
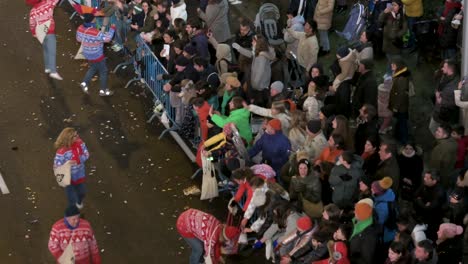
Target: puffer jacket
(348,66)
(344,182)
(324,14)
(381,208)
(307,50)
(309,191)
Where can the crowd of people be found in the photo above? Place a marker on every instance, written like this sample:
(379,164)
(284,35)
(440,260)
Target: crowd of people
(333,175)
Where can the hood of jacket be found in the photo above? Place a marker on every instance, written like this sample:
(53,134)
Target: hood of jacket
(387,196)
(223,51)
(270,54)
(297,23)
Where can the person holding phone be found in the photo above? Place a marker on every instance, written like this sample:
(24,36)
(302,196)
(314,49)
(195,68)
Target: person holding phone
(394,27)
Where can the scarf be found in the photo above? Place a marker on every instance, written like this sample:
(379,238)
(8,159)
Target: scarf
(69,226)
(447,8)
(359,226)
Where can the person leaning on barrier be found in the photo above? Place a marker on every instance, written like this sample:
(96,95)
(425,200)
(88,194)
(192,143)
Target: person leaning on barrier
(181,63)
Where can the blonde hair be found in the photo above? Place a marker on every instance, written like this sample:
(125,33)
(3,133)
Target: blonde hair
(278,106)
(65,139)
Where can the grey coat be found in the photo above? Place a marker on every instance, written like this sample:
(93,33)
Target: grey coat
(344,182)
(216,18)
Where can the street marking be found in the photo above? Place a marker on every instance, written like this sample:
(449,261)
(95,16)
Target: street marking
(3,186)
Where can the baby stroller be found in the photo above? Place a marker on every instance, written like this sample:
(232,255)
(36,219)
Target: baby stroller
(266,22)
(355,25)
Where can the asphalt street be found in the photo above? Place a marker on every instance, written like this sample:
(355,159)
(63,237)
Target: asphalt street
(135,181)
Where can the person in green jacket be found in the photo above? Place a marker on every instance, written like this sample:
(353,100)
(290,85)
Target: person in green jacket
(238,115)
(231,89)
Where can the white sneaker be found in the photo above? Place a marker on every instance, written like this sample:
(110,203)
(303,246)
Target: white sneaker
(236,2)
(47,70)
(117,48)
(56,76)
(106,92)
(80,205)
(84,87)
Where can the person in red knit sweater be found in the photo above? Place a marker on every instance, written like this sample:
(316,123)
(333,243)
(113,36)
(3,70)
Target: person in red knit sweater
(205,235)
(75,230)
(42,12)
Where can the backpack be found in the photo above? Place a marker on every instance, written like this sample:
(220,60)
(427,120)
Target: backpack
(231,67)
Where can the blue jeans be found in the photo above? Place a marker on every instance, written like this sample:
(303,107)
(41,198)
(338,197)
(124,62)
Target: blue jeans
(197,250)
(101,68)
(49,47)
(401,127)
(324,42)
(412,39)
(75,193)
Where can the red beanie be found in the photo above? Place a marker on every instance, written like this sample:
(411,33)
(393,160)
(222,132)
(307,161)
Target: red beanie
(275,124)
(230,232)
(304,223)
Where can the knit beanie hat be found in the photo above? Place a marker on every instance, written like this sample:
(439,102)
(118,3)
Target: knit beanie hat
(72,210)
(451,230)
(233,81)
(363,209)
(379,187)
(275,124)
(342,52)
(277,86)
(230,232)
(304,161)
(314,126)
(190,49)
(182,61)
(304,223)
(88,17)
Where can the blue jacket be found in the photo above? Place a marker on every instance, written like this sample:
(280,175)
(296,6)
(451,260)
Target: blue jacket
(381,209)
(275,149)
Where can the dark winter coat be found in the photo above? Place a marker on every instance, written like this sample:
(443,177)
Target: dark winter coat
(309,191)
(371,164)
(390,168)
(200,41)
(450,250)
(345,182)
(343,98)
(448,36)
(393,30)
(447,110)
(363,245)
(435,196)
(363,132)
(366,91)
(443,158)
(410,168)
(399,94)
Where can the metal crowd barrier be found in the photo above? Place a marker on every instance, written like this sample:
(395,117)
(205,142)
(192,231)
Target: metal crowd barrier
(147,67)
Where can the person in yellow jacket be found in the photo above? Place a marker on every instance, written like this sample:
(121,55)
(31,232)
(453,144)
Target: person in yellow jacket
(413,12)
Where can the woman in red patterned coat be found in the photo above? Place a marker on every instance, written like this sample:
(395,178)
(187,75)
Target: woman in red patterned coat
(205,235)
(73,229)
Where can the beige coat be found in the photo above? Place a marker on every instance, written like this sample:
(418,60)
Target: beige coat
(324,14)
(348,66)
(307,50)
